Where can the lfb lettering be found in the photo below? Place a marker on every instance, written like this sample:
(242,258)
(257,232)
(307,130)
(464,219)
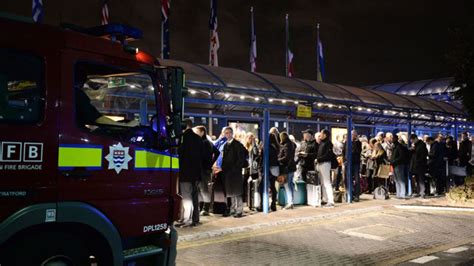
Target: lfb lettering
(33,152)
(11,151)
(16,151)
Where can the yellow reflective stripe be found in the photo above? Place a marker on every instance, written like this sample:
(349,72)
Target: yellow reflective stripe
(148,159)
(79,157)
(175,163)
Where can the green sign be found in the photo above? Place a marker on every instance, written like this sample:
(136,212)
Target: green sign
(115,82)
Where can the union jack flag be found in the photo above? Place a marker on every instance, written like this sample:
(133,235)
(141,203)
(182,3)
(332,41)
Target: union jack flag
(253,44)
(165,34)
(37,11)
(214,40)
(105,13)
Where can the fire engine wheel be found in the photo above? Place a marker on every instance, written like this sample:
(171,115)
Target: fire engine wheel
(55,249)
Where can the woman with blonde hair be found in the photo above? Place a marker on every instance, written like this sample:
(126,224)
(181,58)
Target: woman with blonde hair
(379,157)
(250,172)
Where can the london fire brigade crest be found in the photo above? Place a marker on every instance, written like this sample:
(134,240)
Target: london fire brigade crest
(118,157)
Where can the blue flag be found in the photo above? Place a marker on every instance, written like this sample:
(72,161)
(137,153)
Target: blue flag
(320,58)
(37,11)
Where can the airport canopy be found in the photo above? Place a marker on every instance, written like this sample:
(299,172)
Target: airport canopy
(210,86)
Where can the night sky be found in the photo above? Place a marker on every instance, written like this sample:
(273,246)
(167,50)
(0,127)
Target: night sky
(365,42)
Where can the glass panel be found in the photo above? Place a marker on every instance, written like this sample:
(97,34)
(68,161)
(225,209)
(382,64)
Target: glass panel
(424,104)
(332,92)
(194,74)
(412,88)
(291,86)
(392,87)
(366,96)
(239,79)
(397,100)
(436,87)
(20,87)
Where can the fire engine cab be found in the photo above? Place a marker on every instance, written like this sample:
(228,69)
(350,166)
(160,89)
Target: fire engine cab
(87,128)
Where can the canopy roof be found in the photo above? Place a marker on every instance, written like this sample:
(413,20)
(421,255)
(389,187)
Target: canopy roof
(234,85)
(439,89)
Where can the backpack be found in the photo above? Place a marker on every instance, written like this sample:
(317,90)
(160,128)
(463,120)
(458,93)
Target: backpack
(381,193)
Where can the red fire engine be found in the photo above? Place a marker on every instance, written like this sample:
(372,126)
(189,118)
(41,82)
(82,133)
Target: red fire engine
(87,123)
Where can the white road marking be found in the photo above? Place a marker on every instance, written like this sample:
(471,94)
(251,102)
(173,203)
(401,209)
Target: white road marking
(363,235)
(456,250)
(424,259)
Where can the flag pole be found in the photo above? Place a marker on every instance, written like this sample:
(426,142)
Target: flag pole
(251,38)
(286,45)
(210,37)
(162,37)
(318,66)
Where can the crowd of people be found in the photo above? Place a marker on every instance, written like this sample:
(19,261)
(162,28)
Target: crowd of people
(234,162)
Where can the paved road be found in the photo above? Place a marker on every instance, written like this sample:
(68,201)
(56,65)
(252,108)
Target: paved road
(385,237)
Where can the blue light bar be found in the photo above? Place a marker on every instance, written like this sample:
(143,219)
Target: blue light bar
(116,31)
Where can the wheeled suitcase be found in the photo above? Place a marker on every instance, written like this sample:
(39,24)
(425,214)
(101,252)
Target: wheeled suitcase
(314,195)
(299,195)
(253,195)
(282,196)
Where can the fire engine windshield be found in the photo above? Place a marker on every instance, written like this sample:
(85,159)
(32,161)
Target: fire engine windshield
(113,99)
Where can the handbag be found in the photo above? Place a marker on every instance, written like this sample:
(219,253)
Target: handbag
(275,170)
(457,170)
(282,179)
(383,171)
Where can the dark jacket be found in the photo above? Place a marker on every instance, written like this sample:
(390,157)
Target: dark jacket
(419,163)
(325,152)
(190,157)
(356,151)
(233,160)
(210,155)
(436,156)
(399,155)
(465,150)
(286,157)
(311,148)
(273,158)
(452,152)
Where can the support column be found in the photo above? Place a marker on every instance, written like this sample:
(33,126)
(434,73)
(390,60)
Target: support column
(266,158)
(349,159)
(210,124)
(456,132)
(409,145)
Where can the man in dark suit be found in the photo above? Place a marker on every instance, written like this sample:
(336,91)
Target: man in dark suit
(437,162)
(419,163)
(190,169)
(465,151)
(233,160)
